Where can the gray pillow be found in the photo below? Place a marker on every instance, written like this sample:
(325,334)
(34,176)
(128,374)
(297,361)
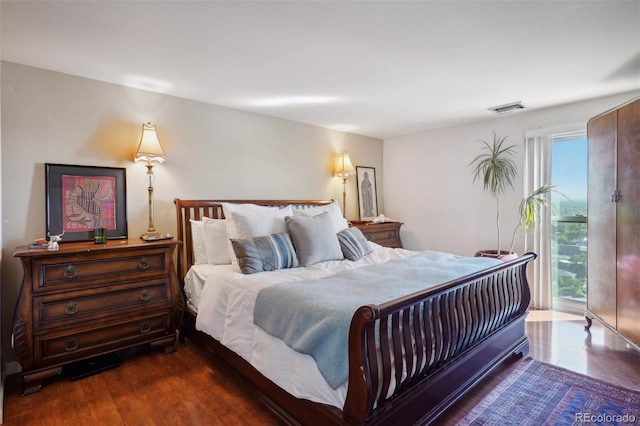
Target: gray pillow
(266,253)
(353,243)
(314,238)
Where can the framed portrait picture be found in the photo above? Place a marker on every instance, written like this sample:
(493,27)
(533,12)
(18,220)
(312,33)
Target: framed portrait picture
(367,192)
(81,198)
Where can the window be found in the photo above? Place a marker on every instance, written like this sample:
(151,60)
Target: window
(569,221)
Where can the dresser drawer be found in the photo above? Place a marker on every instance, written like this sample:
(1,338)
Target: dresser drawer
(68,308)
(85,271)
(56,347)
(382,235)
(386,234)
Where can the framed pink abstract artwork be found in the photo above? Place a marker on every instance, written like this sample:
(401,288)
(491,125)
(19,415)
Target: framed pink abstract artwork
(81,198)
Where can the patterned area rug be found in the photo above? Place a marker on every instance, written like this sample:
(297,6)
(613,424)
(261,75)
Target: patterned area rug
(536,393)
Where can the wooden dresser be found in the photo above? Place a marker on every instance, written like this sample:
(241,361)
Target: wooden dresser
(386,233)
(86,300)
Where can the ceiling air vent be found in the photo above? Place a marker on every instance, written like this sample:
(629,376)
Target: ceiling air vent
(514,106)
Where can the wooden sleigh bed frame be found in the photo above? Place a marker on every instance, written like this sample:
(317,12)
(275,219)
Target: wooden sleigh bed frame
(465,327)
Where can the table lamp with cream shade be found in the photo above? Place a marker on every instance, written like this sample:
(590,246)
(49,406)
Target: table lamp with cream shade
(343,169)
(151,152)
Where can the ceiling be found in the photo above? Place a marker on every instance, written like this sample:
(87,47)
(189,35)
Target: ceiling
(375,68)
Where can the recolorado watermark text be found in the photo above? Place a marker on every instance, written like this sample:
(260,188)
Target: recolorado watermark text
(605,418)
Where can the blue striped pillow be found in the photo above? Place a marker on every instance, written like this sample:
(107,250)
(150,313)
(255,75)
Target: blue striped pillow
(266,253)
(353,243)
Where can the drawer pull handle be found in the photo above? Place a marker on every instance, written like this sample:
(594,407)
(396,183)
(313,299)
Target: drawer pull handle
(145,294)
(145,327)
(143,263)
(71,344)
(69,271)
(71,308)
(391,234)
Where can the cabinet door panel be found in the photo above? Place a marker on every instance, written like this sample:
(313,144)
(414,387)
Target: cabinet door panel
(601,286)
(628,236)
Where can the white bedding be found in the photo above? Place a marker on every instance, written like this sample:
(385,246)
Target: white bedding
(196,277)
(224,299)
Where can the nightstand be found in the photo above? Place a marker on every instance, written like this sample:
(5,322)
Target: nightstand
(86,300)
(386,233)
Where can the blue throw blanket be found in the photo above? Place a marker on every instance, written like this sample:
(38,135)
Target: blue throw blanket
(313,317)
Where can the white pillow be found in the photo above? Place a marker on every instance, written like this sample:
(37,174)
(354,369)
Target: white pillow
(262,223)
(338,221)
(216,240)
(197,240)
(229,209)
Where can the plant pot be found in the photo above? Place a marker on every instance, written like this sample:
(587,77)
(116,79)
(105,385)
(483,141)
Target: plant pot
(504,255)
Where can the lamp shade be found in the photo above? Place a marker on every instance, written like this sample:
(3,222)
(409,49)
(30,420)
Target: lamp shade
(343,167)
(149,148)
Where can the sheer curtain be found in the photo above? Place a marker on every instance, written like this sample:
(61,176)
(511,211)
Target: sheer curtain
(538,173)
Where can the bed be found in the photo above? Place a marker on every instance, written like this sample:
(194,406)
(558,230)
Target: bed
(408,358)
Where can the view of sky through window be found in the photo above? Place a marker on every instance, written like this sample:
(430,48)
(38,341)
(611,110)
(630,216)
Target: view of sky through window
(569,175)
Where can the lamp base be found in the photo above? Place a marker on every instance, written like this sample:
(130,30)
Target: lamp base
(153,235)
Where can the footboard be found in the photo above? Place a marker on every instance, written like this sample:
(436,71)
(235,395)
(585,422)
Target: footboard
(411,358)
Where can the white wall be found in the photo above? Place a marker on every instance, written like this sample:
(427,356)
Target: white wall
(212,152)
(429,186)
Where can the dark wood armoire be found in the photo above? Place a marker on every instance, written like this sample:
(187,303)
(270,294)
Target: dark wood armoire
(613,284)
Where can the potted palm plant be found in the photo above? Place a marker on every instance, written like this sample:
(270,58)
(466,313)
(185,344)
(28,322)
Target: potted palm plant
(497,170)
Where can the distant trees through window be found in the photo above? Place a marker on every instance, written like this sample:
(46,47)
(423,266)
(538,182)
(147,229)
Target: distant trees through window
(569,219)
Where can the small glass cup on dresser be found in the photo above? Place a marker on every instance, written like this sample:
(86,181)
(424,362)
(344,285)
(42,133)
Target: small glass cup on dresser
(100,235)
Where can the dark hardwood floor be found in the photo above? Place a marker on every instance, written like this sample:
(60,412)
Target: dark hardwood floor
(188,388)
(150,388)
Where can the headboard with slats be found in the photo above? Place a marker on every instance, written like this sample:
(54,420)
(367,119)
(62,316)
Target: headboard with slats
(197,209)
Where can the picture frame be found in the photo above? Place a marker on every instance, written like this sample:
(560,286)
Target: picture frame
(81,198)
(367,193)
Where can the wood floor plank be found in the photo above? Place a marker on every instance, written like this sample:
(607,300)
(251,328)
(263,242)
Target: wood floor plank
(191,388)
